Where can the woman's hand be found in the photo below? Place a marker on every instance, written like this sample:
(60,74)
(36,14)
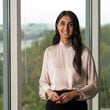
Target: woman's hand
(68,96)
(53,96)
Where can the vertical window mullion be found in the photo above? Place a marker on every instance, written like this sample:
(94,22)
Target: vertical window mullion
(92,39)
(6,57)
(15,54)
(88,33)
(95,43)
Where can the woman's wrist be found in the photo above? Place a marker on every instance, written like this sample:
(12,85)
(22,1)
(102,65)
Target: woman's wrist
(77,96)
(48,92)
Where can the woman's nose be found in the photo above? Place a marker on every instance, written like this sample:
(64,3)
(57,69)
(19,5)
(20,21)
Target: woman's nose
(66,27)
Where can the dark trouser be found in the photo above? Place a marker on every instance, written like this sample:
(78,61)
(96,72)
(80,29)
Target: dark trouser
(71,105)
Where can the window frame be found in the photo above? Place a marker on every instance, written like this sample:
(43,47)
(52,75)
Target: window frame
(12,51)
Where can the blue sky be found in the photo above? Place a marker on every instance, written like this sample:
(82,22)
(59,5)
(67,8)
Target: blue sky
(46,11)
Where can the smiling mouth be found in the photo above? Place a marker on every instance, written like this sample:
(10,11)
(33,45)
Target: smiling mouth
(66,33)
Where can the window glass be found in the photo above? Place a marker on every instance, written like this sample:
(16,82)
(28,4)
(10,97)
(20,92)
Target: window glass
(1,55)
(105,56)
(37,21)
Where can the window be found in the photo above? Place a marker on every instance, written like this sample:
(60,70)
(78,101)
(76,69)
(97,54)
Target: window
(37,21)
(105,56)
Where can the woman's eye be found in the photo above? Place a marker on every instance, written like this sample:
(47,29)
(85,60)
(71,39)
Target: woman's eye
(70,24)
(62,23)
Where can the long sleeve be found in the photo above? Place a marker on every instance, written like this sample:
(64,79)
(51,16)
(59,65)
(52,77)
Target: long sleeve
(92,86)
(44,81)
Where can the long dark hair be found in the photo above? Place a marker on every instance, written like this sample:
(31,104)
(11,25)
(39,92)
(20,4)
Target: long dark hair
(75,39)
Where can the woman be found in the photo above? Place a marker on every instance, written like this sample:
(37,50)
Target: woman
(68,75)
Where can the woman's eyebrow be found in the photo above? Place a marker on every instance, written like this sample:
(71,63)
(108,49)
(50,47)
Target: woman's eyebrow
(68,21)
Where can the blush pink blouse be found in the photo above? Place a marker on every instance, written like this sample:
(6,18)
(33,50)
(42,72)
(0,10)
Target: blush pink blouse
(59,74)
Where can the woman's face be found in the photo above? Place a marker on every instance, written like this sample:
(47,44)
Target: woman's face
(65,27)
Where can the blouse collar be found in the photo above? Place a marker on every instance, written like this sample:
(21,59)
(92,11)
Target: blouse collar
(65,45)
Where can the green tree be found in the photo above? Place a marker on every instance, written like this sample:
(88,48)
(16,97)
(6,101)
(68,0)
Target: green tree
(34,58)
